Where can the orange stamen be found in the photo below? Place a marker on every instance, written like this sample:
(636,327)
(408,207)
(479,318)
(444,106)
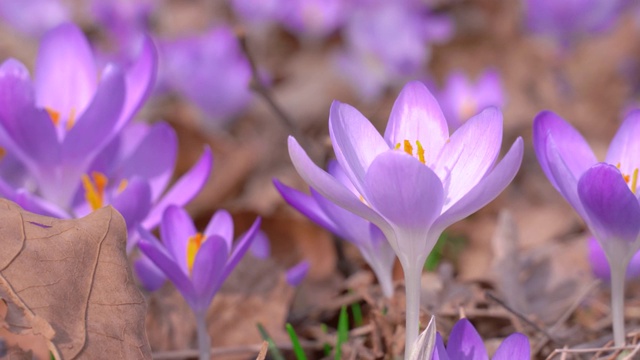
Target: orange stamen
(54,115)
(94,188)
(193,245)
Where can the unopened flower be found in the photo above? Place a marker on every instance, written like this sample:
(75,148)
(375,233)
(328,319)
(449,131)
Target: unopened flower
(416,180)
(466,344)
(296,274)
(461,99)
(602,193)
(364,235)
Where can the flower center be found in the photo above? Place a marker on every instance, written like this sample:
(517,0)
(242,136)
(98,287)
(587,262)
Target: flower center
(468,108)
(55,117)
(408,148)
(193,245)
(95,186)
(631,180)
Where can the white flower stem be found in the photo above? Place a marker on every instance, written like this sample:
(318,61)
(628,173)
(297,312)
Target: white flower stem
(412,284)
(618,272)
(204,341)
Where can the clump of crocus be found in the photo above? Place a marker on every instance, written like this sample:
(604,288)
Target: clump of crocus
(363,234)
(414,181)
(602,193)
(461,98)
(197,263)
(466,344)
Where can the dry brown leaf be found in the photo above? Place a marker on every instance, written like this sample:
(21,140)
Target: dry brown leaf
(24,341)
(70,281)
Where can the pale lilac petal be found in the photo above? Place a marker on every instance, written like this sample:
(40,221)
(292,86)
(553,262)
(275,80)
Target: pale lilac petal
(416,115)
(296,274)
(153,159)
(440,353)
(95,127)
(330,188)
(152,248)
(184,189)
(487,189)
(176,229)
(406,192)
(140,79)
(612,209)
(561,177)
(625,147)
(344,223)
(134,202)
(208,269)
(600,264)
(356,141)
(221,224)
(470,153)
(65,75)
(514,347)
(26,132)
(30,202)
(241,247)
(306,205)
(150,276)
(465,343)
(570,145)
(261,247)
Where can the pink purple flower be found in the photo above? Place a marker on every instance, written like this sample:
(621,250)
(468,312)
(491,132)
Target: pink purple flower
(466,344)
(416,180)
(34,17)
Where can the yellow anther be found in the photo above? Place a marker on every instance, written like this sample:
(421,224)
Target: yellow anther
(54,115)
(193,245)
(397,147)
(468,108)
(94,189)
(408,148)
(420,152)
(634,181)
(72,119)
(123,185)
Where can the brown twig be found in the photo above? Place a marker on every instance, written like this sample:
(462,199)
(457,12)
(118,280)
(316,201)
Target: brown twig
(230,350)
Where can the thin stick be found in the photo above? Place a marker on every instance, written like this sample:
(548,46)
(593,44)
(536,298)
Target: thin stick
(263,351)
(230,350)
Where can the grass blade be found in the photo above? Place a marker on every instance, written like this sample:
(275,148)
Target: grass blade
(343,332)
(297,348)
(277,355)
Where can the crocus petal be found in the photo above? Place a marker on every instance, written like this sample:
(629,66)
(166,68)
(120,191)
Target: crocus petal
(66,75)
(514,347)
(416,115)
(440,353)
(261,247)
(465,343)
(184,189)
(154,251)
(176,229)
(208,268)
(221,224)
(94,128)
(470,153)
(625,146)
(570,145)
(328,187)
(561,176)
(612,209)
(403,190)
(306,205)
(356,141)
(134,202)
(241,247)
(153,159)
(487,189)
(26,132)
(344,223)
(297,273)
(150,276)
(30,202)
(140,78)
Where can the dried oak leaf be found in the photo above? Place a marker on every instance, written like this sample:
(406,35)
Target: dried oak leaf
(70,281)
(25,341)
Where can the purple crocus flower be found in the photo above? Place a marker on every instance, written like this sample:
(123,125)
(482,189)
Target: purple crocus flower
(57,125)
(386,43)
(600,265)
(603,194)
(210,70)
(568,20)
(416,180)
(313,18)
(33,17)
(364,235)
(466,344)
(296,274)
(196,263)
(133,174)
(461,99)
